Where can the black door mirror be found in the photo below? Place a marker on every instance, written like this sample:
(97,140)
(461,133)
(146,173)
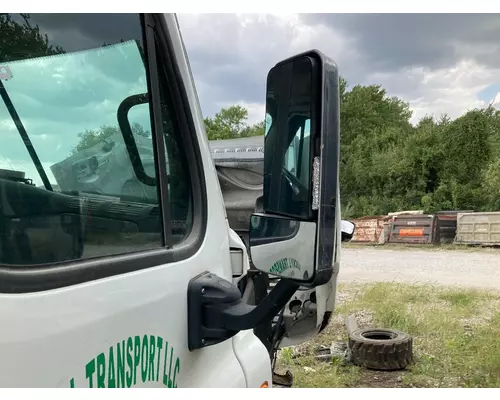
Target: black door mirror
(301,164)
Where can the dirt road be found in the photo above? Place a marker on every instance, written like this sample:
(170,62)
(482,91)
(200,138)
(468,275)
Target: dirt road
(449,267)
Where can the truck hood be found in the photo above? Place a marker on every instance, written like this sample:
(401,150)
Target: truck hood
(239,162)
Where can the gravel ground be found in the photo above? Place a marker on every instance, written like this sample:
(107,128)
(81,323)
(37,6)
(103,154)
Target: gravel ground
(447,267)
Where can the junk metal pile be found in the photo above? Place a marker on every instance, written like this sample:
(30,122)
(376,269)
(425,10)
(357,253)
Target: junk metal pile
(445,227)
(373,348)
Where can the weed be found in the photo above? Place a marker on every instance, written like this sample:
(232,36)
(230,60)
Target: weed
(455,335)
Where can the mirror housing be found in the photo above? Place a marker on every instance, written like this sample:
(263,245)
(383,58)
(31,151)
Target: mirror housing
(301,169)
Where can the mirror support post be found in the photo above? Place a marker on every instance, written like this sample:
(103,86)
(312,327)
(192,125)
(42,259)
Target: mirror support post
(216,311)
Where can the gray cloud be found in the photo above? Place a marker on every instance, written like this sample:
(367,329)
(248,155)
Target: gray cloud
(232,54)
(72,33)
(394,41)
(438,62)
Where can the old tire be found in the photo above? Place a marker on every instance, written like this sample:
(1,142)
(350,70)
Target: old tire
(381,349)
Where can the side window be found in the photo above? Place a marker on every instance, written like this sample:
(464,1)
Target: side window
(291,154)
(73,184)
(296,159)
(269,121)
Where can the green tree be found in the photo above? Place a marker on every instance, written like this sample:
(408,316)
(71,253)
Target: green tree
(374,174)
(23,40)
(390,165)
(257,129)
(230,123)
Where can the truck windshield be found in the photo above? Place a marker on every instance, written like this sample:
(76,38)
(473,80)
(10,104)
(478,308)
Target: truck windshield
(48,125)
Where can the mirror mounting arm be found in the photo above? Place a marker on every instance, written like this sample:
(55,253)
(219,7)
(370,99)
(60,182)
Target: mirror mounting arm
(216,311)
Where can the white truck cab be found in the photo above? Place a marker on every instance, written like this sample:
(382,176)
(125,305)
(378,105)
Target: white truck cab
(118,264)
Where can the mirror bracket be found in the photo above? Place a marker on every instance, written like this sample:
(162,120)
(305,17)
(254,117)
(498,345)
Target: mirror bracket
(216,311)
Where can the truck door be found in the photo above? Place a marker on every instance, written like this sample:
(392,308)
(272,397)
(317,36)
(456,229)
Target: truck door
(105,188)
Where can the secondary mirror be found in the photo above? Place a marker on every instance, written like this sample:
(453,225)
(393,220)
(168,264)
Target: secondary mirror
(283,246)
(347,229)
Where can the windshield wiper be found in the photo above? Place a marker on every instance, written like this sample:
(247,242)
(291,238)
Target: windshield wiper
(24,135)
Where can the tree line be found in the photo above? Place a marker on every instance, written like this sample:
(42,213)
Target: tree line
(388,164)
(439,164)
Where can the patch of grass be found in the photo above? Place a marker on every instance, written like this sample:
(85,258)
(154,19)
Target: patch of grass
(287,354)
(456,337)
(485,364)
(460,298)
(309,373)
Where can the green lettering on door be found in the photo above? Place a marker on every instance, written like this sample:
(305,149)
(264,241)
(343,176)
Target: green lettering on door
(101,370)
(159,344)
(144,358)
(129,362)
(152,351)
(165,376)
(130,354)
(137,355)
(111,369)
(89,372)
(283,264)
(120,365)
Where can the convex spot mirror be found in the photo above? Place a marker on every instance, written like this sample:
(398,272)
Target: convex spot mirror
(347,229)
(301,164)
(282,246)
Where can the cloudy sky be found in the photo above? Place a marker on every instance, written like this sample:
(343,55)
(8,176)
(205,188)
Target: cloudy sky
(439,63)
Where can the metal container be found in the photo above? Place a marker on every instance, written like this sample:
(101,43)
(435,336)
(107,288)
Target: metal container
(412,229)
(478,228)
(384,238)
(445,226)
(407,212)
(369,229)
